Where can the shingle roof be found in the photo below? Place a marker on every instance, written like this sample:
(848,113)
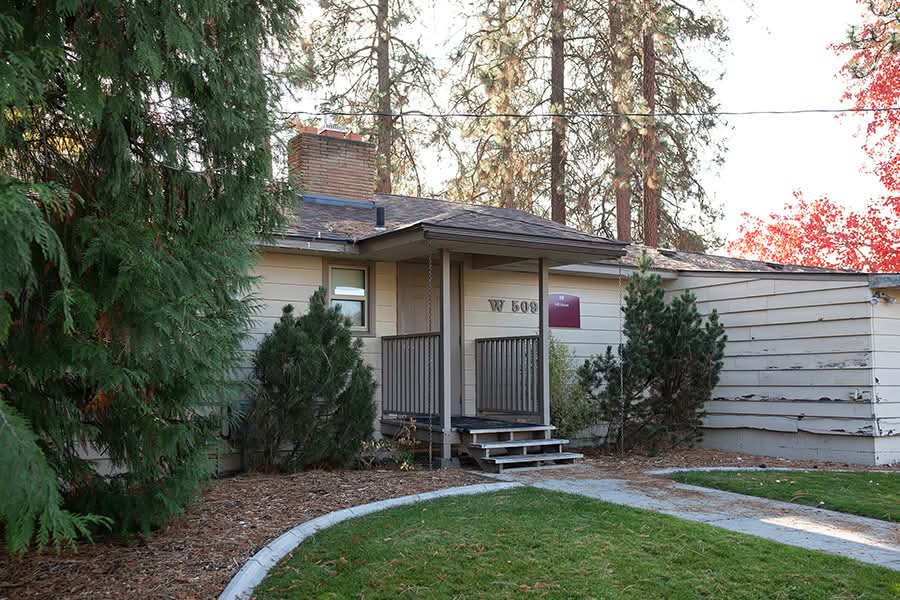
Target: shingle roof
(355,221)
(676,260)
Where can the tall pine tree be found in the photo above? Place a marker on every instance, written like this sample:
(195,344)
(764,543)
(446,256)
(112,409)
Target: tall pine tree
(366,60)
(637,56)
(591,172)
(502,159)
(135,177)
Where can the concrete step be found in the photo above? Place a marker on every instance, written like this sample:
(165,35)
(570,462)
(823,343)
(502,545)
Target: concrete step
(518,443)
(509,459)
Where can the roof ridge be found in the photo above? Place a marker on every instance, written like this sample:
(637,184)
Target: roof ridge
(543,220)
(471,205)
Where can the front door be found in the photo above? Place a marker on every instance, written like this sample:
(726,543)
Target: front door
(412,313)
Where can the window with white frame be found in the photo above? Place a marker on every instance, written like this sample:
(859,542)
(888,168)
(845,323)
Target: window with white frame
(350,291)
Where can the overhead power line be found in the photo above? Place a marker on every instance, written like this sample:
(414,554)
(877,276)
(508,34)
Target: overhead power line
(598,114)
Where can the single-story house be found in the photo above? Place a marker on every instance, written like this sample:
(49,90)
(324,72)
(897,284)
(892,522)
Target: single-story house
(455,303)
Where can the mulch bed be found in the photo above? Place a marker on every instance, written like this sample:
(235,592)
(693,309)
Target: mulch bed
(200,551)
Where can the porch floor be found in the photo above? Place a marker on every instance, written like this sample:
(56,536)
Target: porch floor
(470,424)
(464,424)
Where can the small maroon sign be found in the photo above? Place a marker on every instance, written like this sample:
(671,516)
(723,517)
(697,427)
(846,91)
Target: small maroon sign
(565,311)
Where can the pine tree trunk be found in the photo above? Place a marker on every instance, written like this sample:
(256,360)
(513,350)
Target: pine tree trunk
(503,104)
(385,121)
(648,143)
(557,104)
(507,185)
(620,55)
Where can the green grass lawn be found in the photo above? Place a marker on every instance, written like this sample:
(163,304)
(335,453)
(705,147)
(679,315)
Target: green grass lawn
(874,495)
(530,542)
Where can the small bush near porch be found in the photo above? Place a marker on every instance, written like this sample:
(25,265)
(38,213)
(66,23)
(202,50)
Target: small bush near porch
(554,545)
(875,495)
(314,402)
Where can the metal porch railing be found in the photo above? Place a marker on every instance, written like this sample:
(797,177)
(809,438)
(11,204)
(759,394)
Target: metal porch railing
(410,374)
(507,375)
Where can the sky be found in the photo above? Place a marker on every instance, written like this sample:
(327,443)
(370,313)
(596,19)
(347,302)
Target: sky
(780,59)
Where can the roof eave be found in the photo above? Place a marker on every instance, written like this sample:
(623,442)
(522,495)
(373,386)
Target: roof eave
(609,248)
(421,238)
(309,243)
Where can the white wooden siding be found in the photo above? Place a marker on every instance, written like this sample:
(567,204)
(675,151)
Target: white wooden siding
(886,339)
(800,354)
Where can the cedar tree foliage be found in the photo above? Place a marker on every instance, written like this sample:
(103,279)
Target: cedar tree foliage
(135,177)
(651,392)
(315,396)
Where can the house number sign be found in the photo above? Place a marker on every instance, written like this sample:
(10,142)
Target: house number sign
(516,306)
(564,309)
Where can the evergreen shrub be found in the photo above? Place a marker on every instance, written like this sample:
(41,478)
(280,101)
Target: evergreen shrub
(314,401)
(652,391)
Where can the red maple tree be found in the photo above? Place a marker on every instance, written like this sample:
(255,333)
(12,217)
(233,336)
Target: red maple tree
(821,232)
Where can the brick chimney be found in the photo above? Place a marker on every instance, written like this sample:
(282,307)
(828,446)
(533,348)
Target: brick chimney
(330,162)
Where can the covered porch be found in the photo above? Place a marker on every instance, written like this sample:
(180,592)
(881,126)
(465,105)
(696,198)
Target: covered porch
(487,396)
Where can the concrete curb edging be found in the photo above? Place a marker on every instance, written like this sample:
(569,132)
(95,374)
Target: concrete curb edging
(759,469)
(259,565)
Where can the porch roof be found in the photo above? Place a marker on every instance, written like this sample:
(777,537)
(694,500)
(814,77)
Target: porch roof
(413,225)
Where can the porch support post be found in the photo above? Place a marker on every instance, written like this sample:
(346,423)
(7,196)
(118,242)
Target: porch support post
(544,357)
(446,360)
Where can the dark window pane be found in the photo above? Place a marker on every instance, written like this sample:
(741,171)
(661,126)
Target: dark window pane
(353,309)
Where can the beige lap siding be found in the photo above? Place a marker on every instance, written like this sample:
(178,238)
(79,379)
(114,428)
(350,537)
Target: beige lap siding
(384,275)
(292,279)
(799,360)
(600,314)
(283,279)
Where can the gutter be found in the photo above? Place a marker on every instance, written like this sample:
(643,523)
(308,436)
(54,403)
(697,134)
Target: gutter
(880,281)
(312,244)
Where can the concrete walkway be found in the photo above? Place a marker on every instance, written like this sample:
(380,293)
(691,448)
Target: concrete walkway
(868,540)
